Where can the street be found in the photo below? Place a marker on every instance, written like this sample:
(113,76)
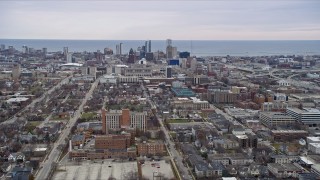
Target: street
(174,154)
(32,104)
(53,156)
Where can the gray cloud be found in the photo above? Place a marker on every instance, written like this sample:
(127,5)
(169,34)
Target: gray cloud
(160,19)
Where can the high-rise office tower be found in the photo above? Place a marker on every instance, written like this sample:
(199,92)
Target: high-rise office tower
(120,48)
(169,42)
(11,50)
(2,47)
(146,46)
(44,51)
(69,58)
(98,55)
(149,46)
(117,49)
(169,72)
(131,56)
(16,71)
(171,51)
(25,49)
(108,51)
(65,51)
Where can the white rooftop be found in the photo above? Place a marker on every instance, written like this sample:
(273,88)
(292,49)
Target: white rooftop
(72,64)
(312,110)
(307,160)
(18,99)
(316,145)
(313,139)
(229,178)
(121,65)
(40,149)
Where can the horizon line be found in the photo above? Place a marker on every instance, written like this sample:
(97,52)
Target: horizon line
(160,39)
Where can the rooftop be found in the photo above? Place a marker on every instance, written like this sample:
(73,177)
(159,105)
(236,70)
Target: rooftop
(316,145)
(18,99)
(305,110)
(313,138)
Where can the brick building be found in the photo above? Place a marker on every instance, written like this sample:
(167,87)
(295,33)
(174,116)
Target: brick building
(103,154)
(110,141)
(116,119)
(288,135)
(155,148)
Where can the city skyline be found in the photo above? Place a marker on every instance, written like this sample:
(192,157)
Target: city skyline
(155,20)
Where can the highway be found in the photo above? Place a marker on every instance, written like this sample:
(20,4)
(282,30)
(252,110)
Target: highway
(174,154)
(32,104)
(53,156)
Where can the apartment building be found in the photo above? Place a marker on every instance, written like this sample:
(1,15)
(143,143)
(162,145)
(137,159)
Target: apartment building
(151,148)
(112,141)
(275,118)
(116,119)
(309,116)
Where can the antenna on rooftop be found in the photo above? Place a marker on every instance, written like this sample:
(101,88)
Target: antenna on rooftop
(191,48)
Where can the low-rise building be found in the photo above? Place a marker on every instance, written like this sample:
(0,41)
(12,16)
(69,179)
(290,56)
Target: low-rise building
(285,170)
(240,160)
(129,153)
(313,140)
(281,159)
(219,159)
(275,118)
(308,116)
(225,143)
(288,135)
(78,140)
(315,168)
(111,141)
(314,147)
(151,148)
(190,103)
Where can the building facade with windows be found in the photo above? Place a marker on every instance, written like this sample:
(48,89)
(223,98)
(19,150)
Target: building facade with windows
(116,119)
(308,116)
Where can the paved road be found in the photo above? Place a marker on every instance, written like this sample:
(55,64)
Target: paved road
(174,154)
(53,156)
(45,121)
(32,104)
(227,116)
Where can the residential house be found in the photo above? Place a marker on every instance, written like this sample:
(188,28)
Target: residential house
(77,140)
(6,167)
(204,169)
(226,143)
(21,173)
(280,159)
(285,170)
(201,169)
(188,149)
(217,158)
(16,157)
(217,169)
(240,159)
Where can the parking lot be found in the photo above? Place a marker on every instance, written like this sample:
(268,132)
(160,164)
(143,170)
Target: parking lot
(157,170)
(90,170)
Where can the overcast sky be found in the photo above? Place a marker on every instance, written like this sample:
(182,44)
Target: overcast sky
(190,20)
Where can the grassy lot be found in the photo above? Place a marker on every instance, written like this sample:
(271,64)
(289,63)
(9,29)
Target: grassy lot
(203,115)
(88,115)
(178,120)
(56,118)
(34,123)
(31,125)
